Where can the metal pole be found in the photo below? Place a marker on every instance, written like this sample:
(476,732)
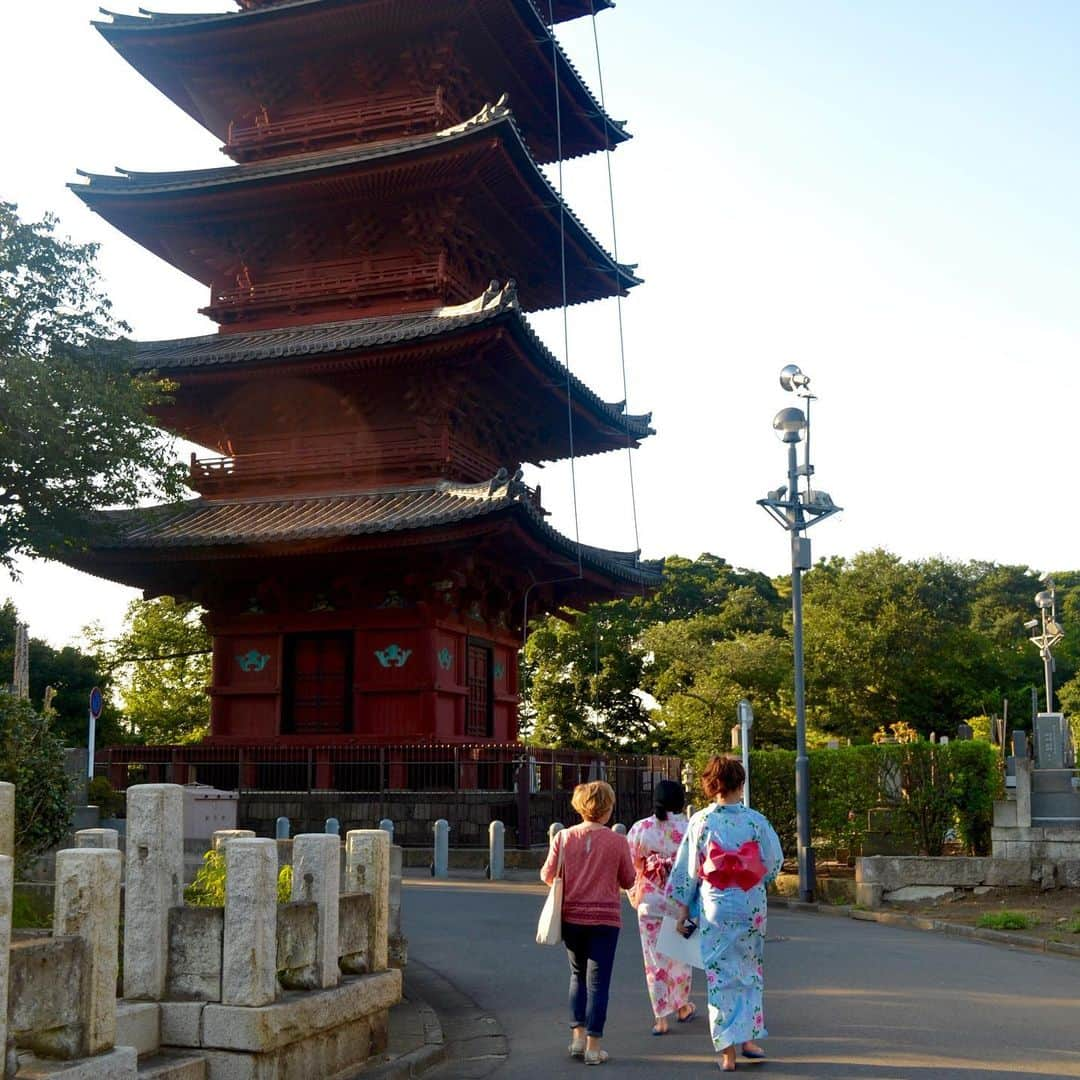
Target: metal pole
(802,762)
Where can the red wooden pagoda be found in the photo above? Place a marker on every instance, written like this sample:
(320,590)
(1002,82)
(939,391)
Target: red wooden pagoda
(362,541)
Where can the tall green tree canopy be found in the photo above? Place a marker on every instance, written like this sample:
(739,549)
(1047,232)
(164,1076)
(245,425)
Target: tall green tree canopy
(161,663)
(72,673)
(75,434)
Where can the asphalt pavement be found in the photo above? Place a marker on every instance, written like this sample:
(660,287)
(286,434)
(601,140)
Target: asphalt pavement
(843,998)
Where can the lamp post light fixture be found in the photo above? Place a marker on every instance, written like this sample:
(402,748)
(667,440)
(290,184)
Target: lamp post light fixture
(1049,636)
(796,510)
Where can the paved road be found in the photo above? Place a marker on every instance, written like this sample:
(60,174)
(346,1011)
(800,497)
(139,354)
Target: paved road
(843,998)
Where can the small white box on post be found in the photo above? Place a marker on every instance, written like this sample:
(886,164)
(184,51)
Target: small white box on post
(154,882)
(317,877)
(496,851)
(87,905)
(249,944)
(367,870)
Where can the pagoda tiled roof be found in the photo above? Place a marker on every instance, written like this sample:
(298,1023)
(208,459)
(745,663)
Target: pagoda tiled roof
(102,191)
(202,524)
(125,30)
(380,332)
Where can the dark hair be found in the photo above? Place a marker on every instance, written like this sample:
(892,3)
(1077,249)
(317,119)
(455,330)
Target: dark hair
(722,776)
(670,797)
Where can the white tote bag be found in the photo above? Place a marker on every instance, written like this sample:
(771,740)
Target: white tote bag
(549,928)
(672,944)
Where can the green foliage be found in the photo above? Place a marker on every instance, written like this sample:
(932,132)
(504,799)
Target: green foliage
(110,802)
(1006,920)
(75,434)
(71,672)
(32,758)
(31,911)
(162,660)
(208,887)
(934,788)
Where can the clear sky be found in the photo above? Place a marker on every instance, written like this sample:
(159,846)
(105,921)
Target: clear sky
(883,193)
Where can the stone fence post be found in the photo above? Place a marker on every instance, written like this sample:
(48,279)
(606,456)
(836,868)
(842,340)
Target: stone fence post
(87,905)
(106,839)
(317,877)
(249,943)
(7,819)
(367,870)
(154,883)
(1023,792)
(7,889)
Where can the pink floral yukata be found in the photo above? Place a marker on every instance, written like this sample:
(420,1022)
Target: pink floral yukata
(653,845)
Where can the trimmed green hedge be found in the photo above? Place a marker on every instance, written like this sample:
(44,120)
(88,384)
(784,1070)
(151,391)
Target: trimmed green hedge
(933,788)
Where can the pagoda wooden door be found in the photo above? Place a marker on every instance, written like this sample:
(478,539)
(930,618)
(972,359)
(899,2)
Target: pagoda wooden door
(318,687)
(478,679)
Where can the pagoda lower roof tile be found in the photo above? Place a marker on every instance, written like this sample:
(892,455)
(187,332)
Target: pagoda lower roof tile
(378,332)
(201,523)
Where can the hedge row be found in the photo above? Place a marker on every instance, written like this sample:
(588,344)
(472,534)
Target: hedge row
(933,789)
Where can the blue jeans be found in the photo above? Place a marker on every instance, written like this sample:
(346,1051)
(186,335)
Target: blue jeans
(591,952)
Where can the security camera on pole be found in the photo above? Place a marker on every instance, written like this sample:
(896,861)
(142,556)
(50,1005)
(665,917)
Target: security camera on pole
(796,510)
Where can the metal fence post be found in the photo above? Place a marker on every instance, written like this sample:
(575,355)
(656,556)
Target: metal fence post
(333,826)
(282,828)
(553,828)
(387,826)
(619,828)
(440,867)
(496,851)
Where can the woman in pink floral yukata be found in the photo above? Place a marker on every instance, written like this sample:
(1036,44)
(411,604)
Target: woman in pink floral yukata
(653,844)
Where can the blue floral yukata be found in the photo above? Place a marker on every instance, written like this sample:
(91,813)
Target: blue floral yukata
(732,922)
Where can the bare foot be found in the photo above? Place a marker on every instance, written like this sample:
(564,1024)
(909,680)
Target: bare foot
(660,1027)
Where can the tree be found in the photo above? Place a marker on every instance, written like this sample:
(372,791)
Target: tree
(72,674)
(75,433)
(32,758)
(162,660)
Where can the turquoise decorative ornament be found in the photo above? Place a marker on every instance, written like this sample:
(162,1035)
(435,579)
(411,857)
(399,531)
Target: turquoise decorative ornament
(253,660)
(446,659)
(393,656)
(498,671)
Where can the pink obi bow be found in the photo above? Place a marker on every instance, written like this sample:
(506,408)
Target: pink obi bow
(656,870)
(741,869)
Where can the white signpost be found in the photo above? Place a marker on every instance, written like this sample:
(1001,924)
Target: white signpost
(95,712)
(746,722)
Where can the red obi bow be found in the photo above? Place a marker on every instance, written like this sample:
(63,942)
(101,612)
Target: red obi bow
(656,870)
(742,869)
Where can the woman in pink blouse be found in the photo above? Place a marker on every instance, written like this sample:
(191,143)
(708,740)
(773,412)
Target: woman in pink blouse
(595,866)
(653,844)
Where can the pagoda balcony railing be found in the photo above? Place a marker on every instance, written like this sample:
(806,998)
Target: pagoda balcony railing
(388,454)
(350,281)
(367,121)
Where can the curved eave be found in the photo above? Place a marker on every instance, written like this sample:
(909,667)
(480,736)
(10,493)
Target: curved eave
(200,530)
(174,358)
(144,41)
(114,196)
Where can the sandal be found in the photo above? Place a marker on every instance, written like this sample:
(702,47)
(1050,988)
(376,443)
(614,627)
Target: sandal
(727,1064)
(657,1029)
(690,1015)
(757,1054)
(576,1049)
(596,1057)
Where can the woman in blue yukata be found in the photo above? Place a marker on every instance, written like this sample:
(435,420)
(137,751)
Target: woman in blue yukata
(727,857)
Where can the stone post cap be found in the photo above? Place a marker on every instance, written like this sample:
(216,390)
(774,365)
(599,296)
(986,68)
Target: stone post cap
(88,855)
(379,837)
(147,788)
(97,838)
(326,839)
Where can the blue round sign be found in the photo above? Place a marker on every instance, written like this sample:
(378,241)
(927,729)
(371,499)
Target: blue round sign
(95,703)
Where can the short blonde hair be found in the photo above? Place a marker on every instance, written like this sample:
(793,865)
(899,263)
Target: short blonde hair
(593,801)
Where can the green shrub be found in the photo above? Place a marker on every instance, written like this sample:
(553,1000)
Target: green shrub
(208,887)
(1006,920)
(933,788)
(32,758)
(31,911)
(101,793)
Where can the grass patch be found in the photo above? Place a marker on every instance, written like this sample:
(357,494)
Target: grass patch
(1072,926)
(1006,920)
(31,912)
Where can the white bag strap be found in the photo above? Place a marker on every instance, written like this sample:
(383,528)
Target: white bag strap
(562,852)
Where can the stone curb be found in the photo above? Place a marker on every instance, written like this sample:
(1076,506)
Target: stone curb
(940,926)
(421,1058)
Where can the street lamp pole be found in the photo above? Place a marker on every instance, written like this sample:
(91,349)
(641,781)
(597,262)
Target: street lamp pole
(796,511)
